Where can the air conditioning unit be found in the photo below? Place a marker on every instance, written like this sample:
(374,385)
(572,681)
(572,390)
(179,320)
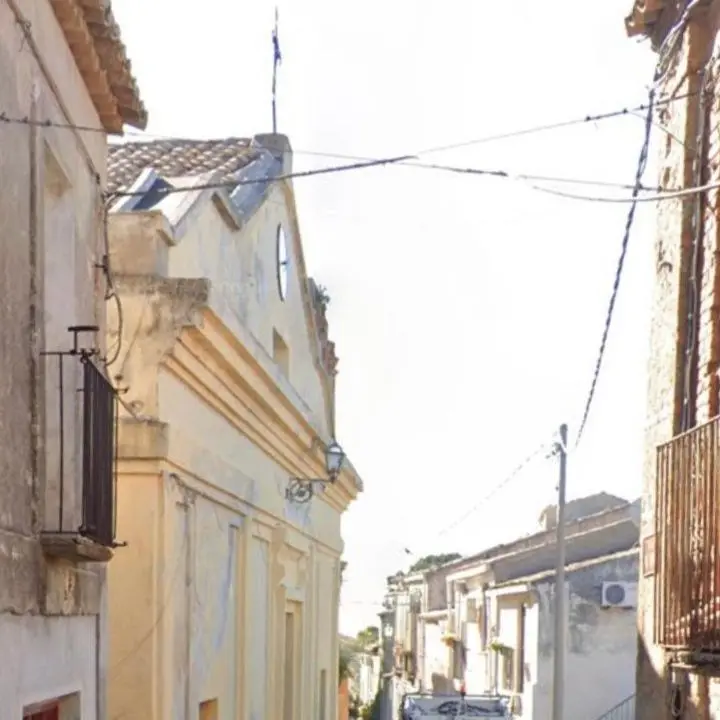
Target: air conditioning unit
(619,594)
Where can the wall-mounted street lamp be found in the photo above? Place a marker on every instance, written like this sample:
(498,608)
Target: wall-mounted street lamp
(300,490)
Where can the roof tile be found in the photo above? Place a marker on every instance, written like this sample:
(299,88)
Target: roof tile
(223,159)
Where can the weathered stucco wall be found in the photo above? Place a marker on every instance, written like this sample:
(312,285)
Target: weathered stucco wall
(600,644)
(50,220)
(242,271)
(29,273)
(52,657)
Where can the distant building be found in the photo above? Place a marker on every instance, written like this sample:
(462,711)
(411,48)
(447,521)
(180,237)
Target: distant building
(486,621)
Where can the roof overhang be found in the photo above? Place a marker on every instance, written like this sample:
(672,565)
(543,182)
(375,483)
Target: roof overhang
(516,590)
(481,570)
(93,35)
(643,16)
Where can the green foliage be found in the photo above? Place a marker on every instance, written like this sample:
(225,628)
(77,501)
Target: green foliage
(424,563)
(369,636)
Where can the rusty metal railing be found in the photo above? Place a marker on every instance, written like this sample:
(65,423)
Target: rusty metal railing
(687,526)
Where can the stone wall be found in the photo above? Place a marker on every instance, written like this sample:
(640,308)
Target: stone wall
(685,335)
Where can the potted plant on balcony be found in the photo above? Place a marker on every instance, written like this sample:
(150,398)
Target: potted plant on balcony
(497,646)
(449,639)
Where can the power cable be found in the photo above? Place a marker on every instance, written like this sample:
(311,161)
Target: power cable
(275,178)
(541,450)
(505,174)
(437,166)
(633,199)
(5,118)
(557,125)
(620,112)
(640,170)
(670,195)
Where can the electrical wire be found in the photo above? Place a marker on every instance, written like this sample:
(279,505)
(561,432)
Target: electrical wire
(583,120)
(528,179)
(554,126)
(667,49)
(541,450)
(633,199)
(434,166)
(670,195)
(620,112)
(275,178)
(640,170)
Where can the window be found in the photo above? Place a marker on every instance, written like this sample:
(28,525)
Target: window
(506,662)
(282,262)
(209,710)
(52,713)
(281,353)
(67,706)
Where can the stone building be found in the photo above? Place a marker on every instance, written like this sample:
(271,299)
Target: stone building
(678,620)
(65,83)
(485,622)
(223,347)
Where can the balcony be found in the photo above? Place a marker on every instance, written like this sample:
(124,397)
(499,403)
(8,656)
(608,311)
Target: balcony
(687,526)
(79,458)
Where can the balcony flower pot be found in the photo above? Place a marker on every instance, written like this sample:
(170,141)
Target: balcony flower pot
(498,647)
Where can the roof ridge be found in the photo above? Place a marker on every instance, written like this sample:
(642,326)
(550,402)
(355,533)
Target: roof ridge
(139,139)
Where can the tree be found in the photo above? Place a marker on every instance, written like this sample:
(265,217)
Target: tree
(425,563)
(369,636)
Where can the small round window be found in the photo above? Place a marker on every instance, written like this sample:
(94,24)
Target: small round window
(282,263)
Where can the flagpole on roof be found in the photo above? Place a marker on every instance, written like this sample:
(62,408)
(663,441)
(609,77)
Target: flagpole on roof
(277,59)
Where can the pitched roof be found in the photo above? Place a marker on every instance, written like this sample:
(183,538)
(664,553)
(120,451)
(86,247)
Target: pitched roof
(94,38)
(571,568)
(223,159)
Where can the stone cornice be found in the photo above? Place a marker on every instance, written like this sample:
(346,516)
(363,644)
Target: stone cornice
(210,360)
(169,324)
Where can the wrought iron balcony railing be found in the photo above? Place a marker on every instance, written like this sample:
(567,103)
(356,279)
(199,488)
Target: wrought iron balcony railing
(81,412)
(687,540)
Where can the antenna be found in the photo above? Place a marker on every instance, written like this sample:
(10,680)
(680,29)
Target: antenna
(277,59)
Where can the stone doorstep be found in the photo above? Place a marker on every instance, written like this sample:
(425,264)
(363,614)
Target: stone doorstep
(74,547)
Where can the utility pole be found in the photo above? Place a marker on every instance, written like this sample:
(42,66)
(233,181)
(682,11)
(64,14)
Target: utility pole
(558,692)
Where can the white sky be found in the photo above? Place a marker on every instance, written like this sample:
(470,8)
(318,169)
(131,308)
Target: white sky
(467,311)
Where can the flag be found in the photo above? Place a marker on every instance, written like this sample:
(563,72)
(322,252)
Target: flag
(277,55)
(277,59)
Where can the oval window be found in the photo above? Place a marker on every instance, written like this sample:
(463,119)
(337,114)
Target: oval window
(282,263)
